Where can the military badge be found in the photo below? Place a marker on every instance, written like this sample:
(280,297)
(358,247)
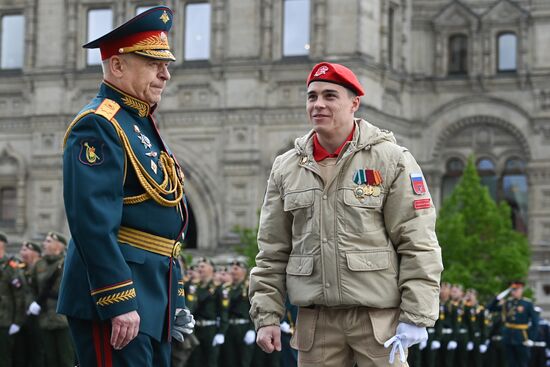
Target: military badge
(417,181)
(369,181)
(91,152)
(520,308)
(322,70)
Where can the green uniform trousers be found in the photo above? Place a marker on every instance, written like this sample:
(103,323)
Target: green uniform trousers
(205,355)
(58,348)
(6,347)
(234,352)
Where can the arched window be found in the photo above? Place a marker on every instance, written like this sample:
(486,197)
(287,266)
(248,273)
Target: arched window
(453,172)
(507,52)
(458,54)
(514,190)
(7,206)
(486,170)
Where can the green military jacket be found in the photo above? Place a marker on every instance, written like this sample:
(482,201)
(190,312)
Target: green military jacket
(239,304)
(520,320)
(46,278)
(476,322)
(12,296)
(208,302)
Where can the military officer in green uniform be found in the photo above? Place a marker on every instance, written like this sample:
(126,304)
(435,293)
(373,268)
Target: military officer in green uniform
(477,330)
(520,324)
(12,298)
(240,336)
(125,206)
(46,279)
(435,335)
(495,352)
(209,306)
(29,350)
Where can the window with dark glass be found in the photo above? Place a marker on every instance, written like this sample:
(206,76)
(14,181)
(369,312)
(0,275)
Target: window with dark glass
(7,206)
(507,51)
(453,172)
(488,176)
(12,41)
(458,54)
(296,27)
(514,190)
(100,21)
(197,31)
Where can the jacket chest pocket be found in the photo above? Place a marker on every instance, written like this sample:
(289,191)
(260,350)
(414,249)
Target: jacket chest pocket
(300,204)
(362,214)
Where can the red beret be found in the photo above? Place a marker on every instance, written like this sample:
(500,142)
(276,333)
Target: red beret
(337,74)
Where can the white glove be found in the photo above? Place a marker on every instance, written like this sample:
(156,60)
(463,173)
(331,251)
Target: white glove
(423,344)
(249,337)
(34,309)
(14,329)
(470,346)
(482,348)
(405,336)
(436,344)
(528,343)
(503,294)
(452,345)
(219,339)
(285,327)
(184,323)
(547,352)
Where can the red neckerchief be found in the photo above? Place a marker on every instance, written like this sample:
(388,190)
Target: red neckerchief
(320,153)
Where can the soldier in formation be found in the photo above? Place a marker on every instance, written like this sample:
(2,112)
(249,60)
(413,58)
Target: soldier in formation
(468,334)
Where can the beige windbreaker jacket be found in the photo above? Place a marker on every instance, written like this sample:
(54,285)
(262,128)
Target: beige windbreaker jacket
(322,244)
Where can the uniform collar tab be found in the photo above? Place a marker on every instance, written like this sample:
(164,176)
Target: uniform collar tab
(130,103)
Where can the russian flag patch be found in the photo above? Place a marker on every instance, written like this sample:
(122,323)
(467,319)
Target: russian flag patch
(417,181)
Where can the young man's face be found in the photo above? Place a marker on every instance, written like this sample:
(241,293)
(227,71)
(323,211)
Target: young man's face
(27,255)
(52,246)
(517,292)
(237,273)
(330,107)
(144,78)
(205,270)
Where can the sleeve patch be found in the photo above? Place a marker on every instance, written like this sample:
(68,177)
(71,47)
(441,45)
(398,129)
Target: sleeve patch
(417,181)
(422,204)
(91,152)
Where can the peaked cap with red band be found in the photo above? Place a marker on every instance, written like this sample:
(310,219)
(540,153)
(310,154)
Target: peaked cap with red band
(337,74)
(145,35)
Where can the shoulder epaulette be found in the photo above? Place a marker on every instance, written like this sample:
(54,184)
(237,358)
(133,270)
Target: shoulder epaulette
(108,109)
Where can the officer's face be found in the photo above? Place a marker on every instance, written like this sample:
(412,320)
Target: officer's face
(517,292)
(27,255)
(330,107)
(144,78)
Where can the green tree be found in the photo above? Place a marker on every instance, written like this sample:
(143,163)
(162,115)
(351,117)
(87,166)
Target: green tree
(249,244)
(480,248)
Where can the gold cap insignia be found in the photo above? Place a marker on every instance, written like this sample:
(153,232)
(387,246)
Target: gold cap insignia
(164,17)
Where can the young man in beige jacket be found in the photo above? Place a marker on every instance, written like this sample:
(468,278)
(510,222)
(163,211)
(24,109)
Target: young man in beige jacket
(347,231)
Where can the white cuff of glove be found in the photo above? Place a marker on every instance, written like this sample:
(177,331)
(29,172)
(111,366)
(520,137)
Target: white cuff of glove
(435,345)
(503,294)
(249,337)
(405,336)
(34,309)
(482,348)
(470,346)
(285,327)
(452,345)
(14,329)
(423,344)
(219,339)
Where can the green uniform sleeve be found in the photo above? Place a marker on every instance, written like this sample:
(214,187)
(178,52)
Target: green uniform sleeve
(93,178)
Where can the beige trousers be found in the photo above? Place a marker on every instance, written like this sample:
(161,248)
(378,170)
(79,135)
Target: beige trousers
(340,337)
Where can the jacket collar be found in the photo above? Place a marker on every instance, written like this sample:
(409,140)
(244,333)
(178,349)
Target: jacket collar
(131,104)
(364,136)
